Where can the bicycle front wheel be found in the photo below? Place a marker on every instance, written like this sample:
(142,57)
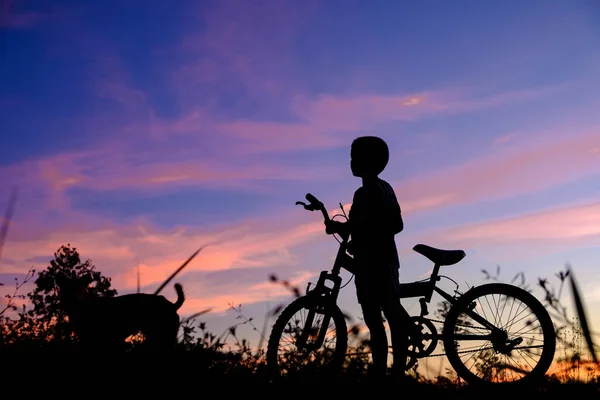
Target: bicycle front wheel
(499,334)
(310,335)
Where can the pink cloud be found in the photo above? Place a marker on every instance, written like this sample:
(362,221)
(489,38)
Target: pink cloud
(526,237)
(360,110)
(507,172)
(341,113)
(566,226)
(501,140)
(328,121)
(540,162)
(267,137)
(117,250)
(492,175)
(476,102)
(238,248)
(219,301)
(102,170)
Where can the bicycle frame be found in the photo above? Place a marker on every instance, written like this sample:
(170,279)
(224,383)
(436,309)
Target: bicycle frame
(423,290)
(426,289)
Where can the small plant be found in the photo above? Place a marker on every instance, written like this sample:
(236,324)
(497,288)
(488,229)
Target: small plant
(11,304)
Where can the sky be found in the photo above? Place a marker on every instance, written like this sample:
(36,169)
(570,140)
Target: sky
(140,131)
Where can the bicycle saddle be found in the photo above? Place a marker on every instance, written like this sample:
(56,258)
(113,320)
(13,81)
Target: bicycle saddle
(439,256)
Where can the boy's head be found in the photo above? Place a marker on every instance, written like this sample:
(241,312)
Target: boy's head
(369,156)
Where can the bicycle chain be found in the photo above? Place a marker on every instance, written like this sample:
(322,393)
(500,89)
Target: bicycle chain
(458,352)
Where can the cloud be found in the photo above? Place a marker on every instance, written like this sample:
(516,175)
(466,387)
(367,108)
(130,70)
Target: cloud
(220,301)
(117,249)
(328,121)
(116,253)
(242,46)
(110,79)
(45,183)
(536,162)
(564,227)
(503,139)
(539,162)
(478,101)
(205,148)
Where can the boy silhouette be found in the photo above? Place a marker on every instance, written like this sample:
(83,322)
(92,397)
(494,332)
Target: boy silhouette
(373,221)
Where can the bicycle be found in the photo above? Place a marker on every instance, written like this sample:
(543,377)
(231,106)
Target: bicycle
(483,348)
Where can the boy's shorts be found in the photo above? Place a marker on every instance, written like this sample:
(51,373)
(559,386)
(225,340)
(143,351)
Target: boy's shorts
(378,287)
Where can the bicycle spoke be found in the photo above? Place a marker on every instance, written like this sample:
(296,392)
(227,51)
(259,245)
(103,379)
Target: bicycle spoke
(298,342)
(511,351)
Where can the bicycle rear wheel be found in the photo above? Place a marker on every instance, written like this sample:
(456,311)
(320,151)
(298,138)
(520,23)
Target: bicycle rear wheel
(298,345)
(519,352)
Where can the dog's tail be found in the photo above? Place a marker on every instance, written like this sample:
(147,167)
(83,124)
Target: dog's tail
(180,296)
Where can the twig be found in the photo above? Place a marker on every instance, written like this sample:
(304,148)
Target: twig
(248,321)
(10,305)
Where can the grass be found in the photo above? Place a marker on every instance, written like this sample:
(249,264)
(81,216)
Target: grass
(224,361)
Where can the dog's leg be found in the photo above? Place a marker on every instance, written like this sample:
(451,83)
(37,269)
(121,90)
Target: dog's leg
(175,330)
(163,336)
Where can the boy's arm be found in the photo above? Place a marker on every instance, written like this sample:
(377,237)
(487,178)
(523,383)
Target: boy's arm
(341,228)
(344,229)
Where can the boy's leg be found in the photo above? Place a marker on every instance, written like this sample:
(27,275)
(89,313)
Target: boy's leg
(399,320)
(371,309)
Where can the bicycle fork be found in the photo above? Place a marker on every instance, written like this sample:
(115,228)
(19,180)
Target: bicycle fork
(308,330)
(323,297)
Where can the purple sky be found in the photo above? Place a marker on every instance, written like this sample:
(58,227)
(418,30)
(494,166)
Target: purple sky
(138,132)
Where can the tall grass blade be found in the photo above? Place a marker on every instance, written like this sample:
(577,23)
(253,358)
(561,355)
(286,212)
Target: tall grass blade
(582,315)
(178,270)
(7,217)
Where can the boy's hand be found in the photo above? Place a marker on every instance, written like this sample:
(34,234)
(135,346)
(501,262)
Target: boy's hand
(332,227)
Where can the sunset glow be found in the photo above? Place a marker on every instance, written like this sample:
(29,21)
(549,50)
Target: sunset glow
(140,131)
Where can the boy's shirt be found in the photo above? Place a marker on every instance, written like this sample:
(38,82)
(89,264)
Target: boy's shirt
(375,218)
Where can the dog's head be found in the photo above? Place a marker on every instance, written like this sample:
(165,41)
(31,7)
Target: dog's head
(72,289)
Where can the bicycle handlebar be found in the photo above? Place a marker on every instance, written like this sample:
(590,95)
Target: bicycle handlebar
(314,204)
